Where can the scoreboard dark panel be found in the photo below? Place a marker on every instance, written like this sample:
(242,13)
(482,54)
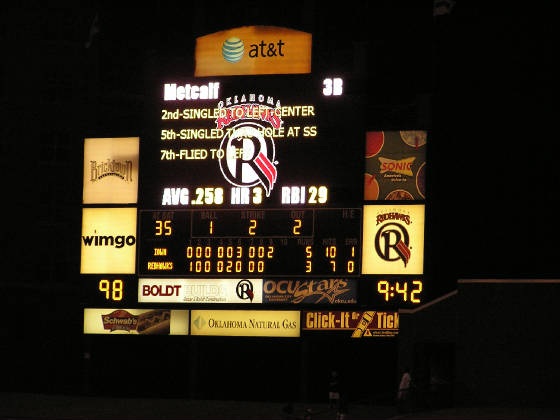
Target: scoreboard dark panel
(268,242)
(262,177)
(253,142)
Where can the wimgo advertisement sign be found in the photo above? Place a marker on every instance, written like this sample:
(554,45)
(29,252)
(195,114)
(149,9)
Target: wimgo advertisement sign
(108,241)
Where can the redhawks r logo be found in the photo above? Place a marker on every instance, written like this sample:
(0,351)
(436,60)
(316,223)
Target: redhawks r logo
(392,243)
(248,157)
(244,290)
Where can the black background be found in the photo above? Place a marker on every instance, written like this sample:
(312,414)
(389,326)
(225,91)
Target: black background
(333,158)
(484,72)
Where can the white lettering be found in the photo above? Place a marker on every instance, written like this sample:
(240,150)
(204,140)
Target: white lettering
(172,92)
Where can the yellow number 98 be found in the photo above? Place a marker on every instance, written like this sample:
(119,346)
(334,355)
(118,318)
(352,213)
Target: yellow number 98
(113,290)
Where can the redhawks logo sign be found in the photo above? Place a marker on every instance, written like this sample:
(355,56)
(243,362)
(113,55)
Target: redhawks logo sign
(392,243)
(248,155)
(393,239)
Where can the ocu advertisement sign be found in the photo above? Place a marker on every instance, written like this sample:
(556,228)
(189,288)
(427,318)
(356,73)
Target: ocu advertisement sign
(312,291)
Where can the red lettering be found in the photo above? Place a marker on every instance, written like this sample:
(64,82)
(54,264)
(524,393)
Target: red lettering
(158,290)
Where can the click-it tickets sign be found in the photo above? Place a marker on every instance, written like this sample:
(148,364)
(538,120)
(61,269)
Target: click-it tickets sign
(265,141)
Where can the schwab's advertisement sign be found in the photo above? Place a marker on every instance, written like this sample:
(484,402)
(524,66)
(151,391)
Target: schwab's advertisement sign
(200,290)
(327,291)
(242,323)
(136,321)
(360,324)
(253,50)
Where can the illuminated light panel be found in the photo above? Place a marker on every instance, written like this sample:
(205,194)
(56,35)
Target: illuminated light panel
(360,323)
(136,321)
(111,170)
(243,323)
(395,165)
(108,241)
(393,239)
(200,290)
(253,50)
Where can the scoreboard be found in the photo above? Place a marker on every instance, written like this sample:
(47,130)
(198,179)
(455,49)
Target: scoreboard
(260,177)
(262,189)
(272,242)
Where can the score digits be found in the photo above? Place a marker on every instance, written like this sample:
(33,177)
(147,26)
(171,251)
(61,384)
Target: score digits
(113,289)
(287,242)
(163,227)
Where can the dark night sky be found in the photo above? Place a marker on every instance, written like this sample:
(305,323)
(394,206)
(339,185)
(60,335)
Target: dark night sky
(493,152)
(493,173)
(487,71)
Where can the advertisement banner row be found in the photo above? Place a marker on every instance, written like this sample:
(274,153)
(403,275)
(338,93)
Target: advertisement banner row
(239,323)
(395,168)
(256,291)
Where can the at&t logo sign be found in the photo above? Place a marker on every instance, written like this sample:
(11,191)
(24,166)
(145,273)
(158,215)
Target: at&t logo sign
(232,49)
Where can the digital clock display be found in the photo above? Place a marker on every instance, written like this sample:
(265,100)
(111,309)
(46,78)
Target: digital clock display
(402,290)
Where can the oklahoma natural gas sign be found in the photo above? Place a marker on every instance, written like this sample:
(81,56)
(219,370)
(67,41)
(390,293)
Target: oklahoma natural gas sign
(253,50)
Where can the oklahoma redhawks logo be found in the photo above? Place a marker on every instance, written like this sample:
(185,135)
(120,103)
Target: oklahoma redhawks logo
(248,154)
(392,243)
